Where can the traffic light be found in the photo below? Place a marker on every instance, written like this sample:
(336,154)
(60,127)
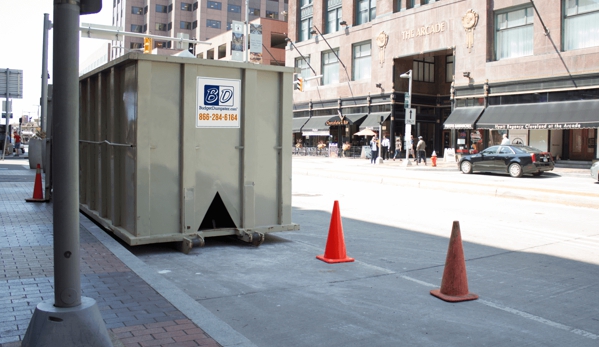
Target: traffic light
(147,45)
(298,84)
(406,102)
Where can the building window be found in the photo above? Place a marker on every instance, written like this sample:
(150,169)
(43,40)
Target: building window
(160,26)
(187,7)
(170,26)
(581,24)
(272,14)
(163,44)
(361,61)
(194,24)
(449,68)
(185,25)
(234,9)
(136,45)
(136,28)
(305,29)
(330,67)
(215,5)
(306,13)
(161,9)
(137,10)
(303,65)
(254,12)
(210,23)
(333,17)
(366,11)
(424,70)
(195,5)
(514,33)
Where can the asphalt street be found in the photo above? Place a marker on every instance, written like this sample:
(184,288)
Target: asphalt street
(531,249)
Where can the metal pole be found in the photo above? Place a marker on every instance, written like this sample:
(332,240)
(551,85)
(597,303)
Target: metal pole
(65,147)
(247,31)
(75,320)
(44,98)
(408,133)
(8,111)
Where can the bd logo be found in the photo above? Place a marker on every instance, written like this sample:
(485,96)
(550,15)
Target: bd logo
(218,95)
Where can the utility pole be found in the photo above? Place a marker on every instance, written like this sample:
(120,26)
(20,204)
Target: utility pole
(409,120)
(69,319)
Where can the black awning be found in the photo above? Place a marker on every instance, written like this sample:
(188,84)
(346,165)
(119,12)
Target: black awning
(546,115)
(373,120)
(348,119)
(463,117)
(316,124)
(297,123)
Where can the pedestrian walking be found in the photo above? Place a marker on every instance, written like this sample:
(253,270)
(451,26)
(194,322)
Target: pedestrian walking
(421,150)
(374,149)
(506,140)
(411,148)
(397,148)
(17,143)
(385,147)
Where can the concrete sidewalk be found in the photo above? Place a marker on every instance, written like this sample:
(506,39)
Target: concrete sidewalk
(139,307)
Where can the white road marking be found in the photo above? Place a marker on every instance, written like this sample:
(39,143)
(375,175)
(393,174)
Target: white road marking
(520,313)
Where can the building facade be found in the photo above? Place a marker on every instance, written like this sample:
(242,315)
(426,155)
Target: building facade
(198,20)
(273,37)
(480,68)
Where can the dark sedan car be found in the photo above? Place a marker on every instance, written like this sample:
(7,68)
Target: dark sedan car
(516,160)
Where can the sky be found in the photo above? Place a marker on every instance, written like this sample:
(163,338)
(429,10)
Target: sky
(21,30)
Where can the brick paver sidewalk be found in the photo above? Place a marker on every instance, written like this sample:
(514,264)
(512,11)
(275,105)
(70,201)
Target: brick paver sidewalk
(134,313)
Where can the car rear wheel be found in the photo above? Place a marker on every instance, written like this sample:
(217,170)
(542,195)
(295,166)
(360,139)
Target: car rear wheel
(538,173)
(466,167)
(515,170)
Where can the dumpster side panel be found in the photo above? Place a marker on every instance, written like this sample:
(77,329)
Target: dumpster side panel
(286,110)
(128,155)
(158,148)
(105,149)
(84,120)
(217,157)
(262,147)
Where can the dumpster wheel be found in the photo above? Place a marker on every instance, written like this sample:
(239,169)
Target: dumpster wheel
(189,242)
(253,237)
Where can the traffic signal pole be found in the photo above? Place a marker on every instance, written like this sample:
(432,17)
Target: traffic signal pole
(69,319)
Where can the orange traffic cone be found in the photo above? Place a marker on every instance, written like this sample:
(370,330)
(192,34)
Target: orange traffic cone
(38,195)
(454,285)
(335,249)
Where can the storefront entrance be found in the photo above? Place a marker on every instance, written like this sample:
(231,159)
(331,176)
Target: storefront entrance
(582,144)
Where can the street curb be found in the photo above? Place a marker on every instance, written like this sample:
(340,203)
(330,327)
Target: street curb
(217,329)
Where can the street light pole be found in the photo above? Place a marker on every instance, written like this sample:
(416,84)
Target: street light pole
(408,133)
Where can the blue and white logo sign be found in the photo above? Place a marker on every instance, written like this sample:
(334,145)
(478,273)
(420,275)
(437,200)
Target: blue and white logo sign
(218,95)
(218,102)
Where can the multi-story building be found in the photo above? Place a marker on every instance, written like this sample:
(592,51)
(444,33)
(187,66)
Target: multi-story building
(198,20)
(273,37)
(480,68)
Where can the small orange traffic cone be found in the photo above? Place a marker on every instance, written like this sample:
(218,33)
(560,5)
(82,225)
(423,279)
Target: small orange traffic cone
(454,285)
(38,195)
(335,249)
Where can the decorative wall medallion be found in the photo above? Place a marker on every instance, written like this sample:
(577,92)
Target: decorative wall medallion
(469,22)
(381,41)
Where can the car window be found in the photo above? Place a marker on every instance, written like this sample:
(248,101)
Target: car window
(525,149)
(505,150)
(490,150)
